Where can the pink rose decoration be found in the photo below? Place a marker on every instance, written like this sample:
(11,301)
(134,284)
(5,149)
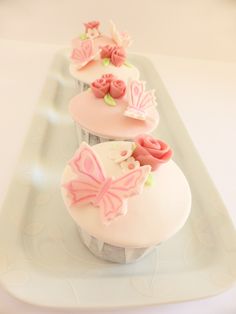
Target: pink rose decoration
(100,87)
(108,84)
(150,151)
(108,77)
(91,25)
(117,88)
(106,51)
(118,56)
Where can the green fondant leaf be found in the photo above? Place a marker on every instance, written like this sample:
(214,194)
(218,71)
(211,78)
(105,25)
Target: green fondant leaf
(106,62)
(83,36)
(109,100)
(128,64)
(149,181)
(134,146)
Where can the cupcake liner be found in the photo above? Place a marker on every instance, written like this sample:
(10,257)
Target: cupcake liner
(91,139)
(113,253)
(82,86)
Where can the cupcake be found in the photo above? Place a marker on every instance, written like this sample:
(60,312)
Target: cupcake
(112,110)
(125,197)
(95,54)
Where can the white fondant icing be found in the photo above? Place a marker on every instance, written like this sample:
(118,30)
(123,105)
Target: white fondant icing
(152,217)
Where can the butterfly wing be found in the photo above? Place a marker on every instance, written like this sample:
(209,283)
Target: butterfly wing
(84,53)
(147,100)
(90,176)
(81,191)
(135,91)
(139,100)
(120,38)
(113,203)
(115,34)
(85,161)
(126,40)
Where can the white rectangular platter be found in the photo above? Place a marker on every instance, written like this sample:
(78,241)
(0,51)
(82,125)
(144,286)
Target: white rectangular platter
(42,260)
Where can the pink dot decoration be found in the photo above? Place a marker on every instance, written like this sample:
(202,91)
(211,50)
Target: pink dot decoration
(131,166)
(123,153)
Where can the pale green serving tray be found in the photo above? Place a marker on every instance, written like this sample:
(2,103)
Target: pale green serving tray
(42,260)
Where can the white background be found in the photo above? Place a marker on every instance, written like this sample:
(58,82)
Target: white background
(191,28)
(204,91)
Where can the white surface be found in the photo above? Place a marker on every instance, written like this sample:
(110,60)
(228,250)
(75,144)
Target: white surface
(190,28)
(23,69)
(205,94)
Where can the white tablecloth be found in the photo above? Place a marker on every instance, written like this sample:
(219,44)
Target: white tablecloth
(203,91)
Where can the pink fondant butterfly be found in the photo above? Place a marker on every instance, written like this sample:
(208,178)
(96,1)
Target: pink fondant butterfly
(139,100)
(84,53)
(120,38)
(92,186)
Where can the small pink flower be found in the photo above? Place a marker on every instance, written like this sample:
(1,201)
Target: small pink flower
(122,152)
(109,77)
(100,87)
(106,51)
(129,164)
(151,151)
(91,25)
(92,33)
(117,88)
(118,56)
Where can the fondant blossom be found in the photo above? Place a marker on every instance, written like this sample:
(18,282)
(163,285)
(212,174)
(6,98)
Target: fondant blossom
(91,25)
(117,88)
(129,164)
(106,51)
(92,33)
(122,152)
(118,56)
(151,151)
(100,87)
(91,29)
(108,77)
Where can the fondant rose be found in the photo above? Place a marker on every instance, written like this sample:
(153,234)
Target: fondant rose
(108,77)
(100,87)
(106,51)
(118,56)
(151,151)
(91,25)
(117,88)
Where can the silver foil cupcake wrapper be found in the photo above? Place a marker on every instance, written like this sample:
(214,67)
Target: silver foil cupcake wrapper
(82,86)
(91,139)
(113,253)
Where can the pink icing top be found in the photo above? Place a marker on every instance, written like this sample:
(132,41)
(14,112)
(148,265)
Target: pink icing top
(95,116)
